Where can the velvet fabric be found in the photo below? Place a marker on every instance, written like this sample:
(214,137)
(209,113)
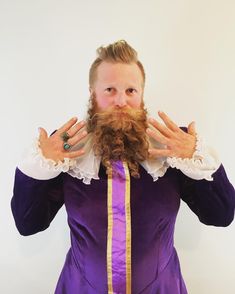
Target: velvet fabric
(154,207)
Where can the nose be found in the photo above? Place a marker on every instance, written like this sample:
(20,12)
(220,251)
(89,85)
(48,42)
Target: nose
(120,100)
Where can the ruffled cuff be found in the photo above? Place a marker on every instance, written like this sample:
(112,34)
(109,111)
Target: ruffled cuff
(202,165)
(35,165)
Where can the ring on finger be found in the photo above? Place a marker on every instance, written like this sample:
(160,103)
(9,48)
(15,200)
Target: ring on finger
(65,136)
(66,146)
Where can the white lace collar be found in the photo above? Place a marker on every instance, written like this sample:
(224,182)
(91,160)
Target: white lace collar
(204,162)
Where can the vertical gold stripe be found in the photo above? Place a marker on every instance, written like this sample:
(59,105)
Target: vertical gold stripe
(128,230)
(110,235)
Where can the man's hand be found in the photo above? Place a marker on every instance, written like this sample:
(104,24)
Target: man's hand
(179,143)
(53,147)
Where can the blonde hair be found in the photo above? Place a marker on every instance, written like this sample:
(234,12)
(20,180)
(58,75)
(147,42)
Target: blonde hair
(118,52)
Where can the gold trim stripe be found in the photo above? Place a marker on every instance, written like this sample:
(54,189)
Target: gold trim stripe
(128,229)
(110,235)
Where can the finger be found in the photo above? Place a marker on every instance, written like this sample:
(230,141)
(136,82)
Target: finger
(74,154)
(42,134)
(159,152)
(192,129)
(67,125)
(75,139)
(163,129)
(169,123)
(157,136)
(74,129)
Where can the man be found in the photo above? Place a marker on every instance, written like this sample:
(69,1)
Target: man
(121,177)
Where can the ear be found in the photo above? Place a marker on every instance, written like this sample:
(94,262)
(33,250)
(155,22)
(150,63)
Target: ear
(90,90)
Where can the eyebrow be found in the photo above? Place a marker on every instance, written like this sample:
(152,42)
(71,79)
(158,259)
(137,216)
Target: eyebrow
(109,85)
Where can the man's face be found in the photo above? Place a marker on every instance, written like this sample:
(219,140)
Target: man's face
(118,85)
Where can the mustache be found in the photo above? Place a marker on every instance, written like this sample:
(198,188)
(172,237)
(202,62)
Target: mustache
(117,117)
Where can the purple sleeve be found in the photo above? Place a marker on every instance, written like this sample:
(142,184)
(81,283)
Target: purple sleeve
(35,202)
(212,201)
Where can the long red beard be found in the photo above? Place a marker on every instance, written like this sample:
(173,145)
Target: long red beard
(120,134)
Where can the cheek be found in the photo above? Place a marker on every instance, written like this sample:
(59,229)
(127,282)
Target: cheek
(135,102)
(103,102)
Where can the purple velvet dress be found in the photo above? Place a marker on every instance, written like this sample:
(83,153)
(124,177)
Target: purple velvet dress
(122,228)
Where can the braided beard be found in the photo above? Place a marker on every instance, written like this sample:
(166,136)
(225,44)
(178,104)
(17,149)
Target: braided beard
(119,134)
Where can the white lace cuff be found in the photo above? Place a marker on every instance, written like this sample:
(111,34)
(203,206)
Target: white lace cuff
(202,165)
(35,165)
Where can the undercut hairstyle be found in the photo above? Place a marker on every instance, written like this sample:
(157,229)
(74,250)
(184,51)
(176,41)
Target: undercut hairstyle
(118,52)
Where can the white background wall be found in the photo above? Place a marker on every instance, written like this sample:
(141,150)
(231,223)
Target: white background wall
(46,48)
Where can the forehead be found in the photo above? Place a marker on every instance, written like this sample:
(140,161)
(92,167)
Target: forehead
(108,72)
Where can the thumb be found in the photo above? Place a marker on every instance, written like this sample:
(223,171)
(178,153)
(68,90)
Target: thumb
(191,128)
(42,134)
